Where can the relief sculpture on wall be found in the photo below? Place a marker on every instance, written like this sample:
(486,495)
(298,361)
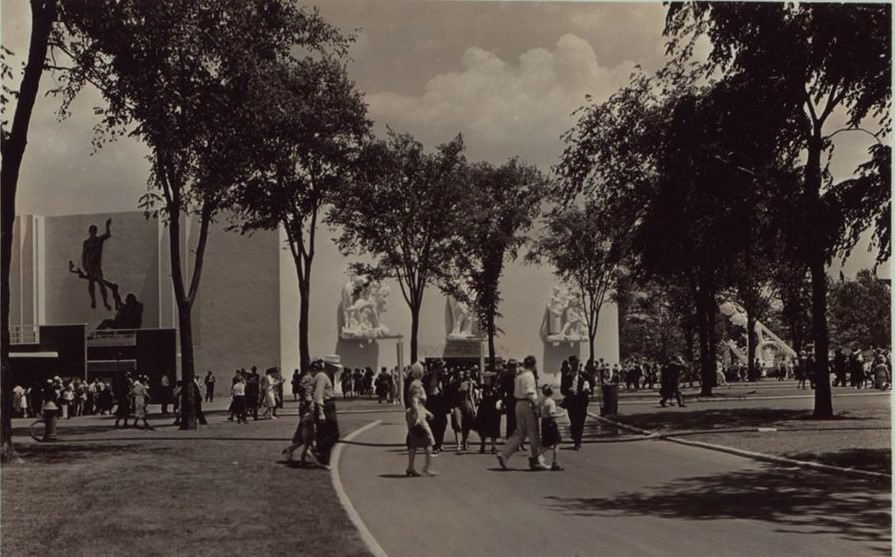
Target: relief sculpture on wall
(128,313)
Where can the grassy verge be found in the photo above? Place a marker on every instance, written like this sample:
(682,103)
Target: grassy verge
(221,490)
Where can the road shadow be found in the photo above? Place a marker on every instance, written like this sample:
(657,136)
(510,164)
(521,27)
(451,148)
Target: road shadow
(714,418)
(794,500)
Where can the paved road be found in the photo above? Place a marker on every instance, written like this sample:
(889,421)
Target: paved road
(620,495)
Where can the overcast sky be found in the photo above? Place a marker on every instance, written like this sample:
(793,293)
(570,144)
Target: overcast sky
(507,75)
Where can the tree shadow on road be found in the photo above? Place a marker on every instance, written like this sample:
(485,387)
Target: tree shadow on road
(794,500)
(715,418)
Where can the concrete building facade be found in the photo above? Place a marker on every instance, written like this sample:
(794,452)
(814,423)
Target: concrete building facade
(246,312)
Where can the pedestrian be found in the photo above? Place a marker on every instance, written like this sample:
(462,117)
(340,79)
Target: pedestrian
(123,400)
(141,399)
(197,402)
(253,391)
(382,385)
(209,387)
(671,378)
(463,410)
(238,403)
(419,434)
(296,384)
(327,424)
(165,383)
(487,419)
(268,394)
(550,437)
(525,393)
(304,432)
(437,403)
(576,401)
(507,384)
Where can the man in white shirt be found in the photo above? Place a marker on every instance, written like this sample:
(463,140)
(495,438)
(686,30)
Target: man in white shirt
(525,391)
(324,412)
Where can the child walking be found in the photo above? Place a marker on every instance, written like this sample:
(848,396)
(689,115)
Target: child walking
(487,420)
(550,437)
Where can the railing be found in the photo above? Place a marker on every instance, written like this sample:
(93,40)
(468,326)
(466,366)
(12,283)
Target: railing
(24,334)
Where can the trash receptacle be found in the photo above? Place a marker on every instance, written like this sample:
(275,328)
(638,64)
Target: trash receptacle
(610,400)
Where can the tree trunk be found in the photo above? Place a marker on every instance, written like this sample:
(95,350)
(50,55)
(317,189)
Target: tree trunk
(492,331)
(187,366)
(823,396)
(414,330)
(709,373)
(751,339)
(304,349)
(43,14)
(817,216)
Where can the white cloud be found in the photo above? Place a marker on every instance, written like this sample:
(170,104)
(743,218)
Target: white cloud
(504,108)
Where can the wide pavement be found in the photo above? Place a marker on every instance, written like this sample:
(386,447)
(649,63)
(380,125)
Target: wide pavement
(620,495)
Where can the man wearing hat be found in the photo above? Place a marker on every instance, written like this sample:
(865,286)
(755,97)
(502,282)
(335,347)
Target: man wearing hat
(324,398)
(525,392)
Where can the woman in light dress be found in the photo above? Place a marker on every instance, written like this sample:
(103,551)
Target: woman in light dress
(419,434)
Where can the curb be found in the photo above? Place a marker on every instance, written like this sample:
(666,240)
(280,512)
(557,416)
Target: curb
(372,545)
(878,476)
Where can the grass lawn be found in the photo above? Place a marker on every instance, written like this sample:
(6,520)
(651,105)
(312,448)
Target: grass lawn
(223,489)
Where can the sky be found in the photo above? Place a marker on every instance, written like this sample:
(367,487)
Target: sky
(507,75)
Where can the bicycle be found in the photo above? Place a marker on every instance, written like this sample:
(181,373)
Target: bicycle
(37,428)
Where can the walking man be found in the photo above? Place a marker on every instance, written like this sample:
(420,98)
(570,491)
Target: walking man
(525,393)
(324,412)
(576,402)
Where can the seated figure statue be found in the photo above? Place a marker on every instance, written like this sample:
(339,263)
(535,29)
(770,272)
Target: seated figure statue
(129,315)
(574,327)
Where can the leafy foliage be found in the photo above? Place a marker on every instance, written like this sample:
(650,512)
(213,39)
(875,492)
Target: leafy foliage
(860,312)
(404,208)
(585,248)
(500,206)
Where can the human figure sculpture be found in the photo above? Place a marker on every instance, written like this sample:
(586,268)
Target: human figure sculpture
(363,308)
(129,315)
(559,301)
(572,328)
(461,319)
(350,294)
(92,262)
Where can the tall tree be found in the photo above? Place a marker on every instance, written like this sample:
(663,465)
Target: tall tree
(860,312)
(404,208)
(825,59)
(312,122)
(500,206)
(180,73)
(12,149)
(584,247)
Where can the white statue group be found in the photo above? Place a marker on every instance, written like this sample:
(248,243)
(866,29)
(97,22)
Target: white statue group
(462,318)
(363,303)
(566,316)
